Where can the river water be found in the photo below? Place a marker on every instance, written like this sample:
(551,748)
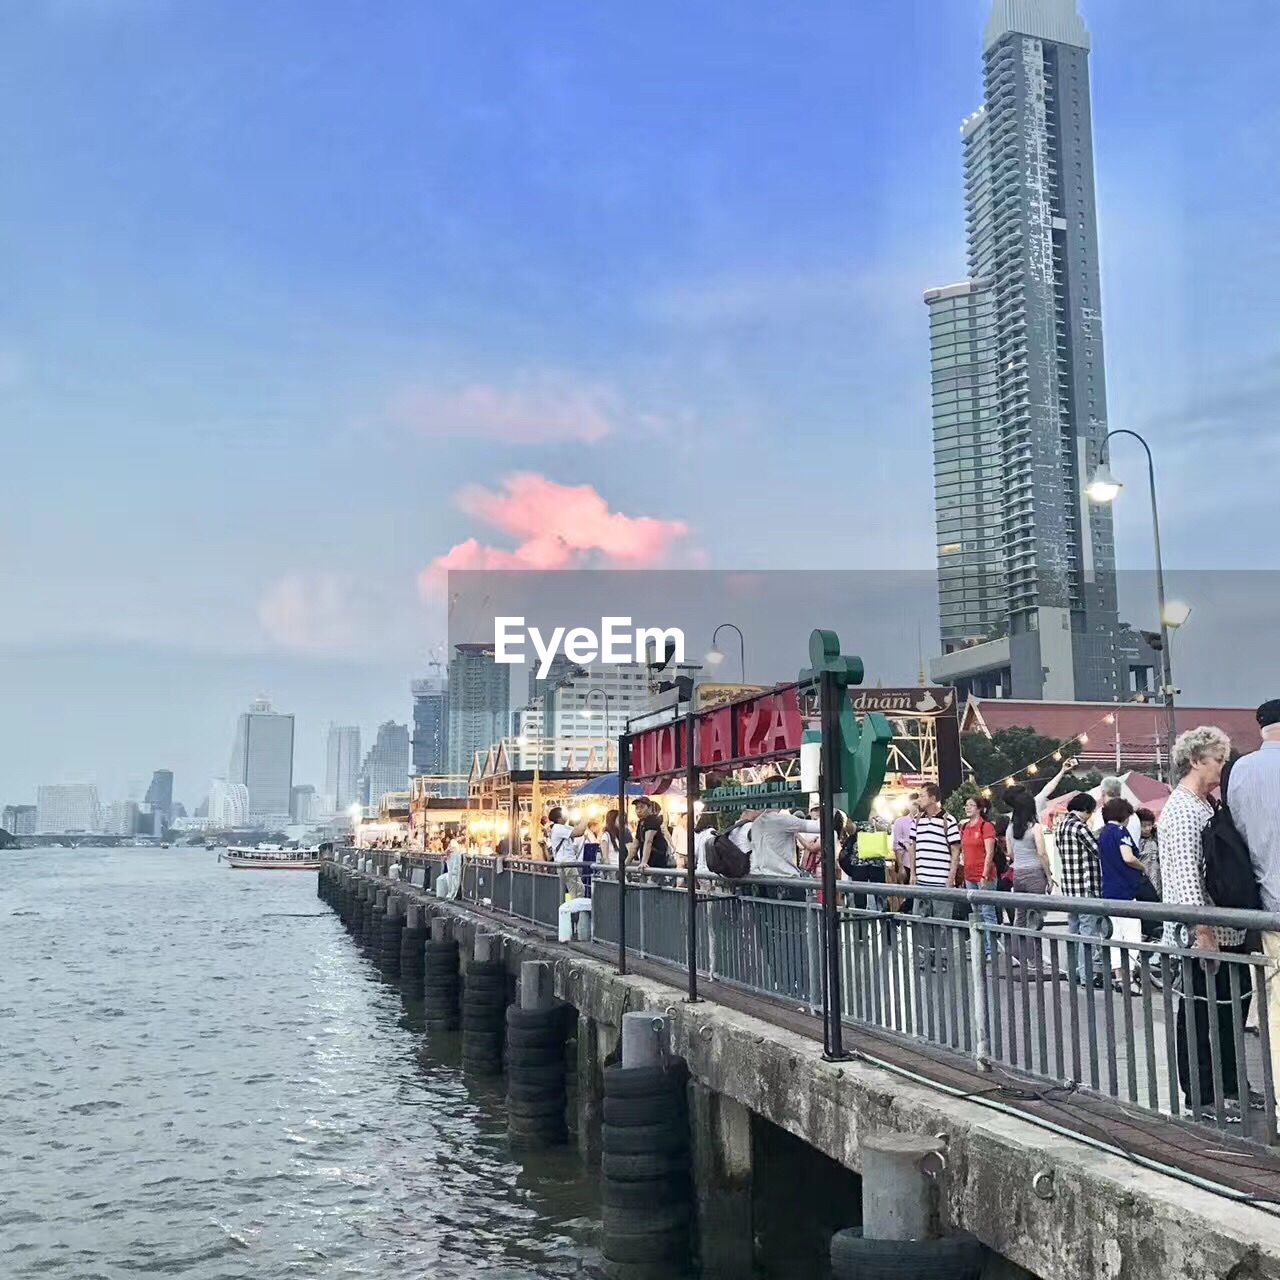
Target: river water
(201,1076)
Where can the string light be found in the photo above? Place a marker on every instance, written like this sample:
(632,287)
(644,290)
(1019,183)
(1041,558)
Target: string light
(1110,717)
(1033,768)
(1083,739)
(986,791)
(1057,755)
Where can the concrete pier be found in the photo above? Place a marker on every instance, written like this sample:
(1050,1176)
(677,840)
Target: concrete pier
(1050,1205)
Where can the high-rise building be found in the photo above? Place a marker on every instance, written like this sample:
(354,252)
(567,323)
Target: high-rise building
(1026,565)
(586,707)
(19,819)
(229,804)
(160,795)
(342,770)
(386,767)
(479,703)
(303,805)
(68,806)
(122,818)
(262,759)
(430,725)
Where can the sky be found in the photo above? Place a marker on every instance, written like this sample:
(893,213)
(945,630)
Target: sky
(307,302)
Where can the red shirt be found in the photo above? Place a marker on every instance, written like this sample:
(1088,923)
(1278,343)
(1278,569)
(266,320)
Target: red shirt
(973,844)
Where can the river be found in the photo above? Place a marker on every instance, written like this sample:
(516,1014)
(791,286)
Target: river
(200,1076)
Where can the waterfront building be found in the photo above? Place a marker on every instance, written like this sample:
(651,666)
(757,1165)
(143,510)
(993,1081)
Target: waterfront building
(430,725)
(160,796)
(122,818)
(587,707)
(262,759)
(386,767)
(68,806)
(342,768)
(303,805)
(479,701)
(229,804)
(19,819)
(526,730)
(1026,565)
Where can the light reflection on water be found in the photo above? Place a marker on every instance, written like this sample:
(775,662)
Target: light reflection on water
(201,1076)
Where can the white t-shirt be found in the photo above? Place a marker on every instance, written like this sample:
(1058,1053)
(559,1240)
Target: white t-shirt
(702,843)
(560,843)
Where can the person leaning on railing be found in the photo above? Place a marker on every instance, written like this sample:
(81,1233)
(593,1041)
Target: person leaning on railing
(1031,870)
(1081,878)
(1198,759)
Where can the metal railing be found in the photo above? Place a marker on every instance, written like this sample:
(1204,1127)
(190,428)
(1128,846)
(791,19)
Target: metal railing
(1071,995)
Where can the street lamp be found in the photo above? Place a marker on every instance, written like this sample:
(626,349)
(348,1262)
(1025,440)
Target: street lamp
(595,688)
(1103,487)
(715,655)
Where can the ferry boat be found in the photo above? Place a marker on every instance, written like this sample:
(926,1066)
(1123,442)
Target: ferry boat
(271,857)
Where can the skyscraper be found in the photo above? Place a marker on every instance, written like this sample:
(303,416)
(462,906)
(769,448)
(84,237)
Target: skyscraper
(342,769)
(228,803)
(430,725)
(386,767)
(302,803)
(160,794)
(19,819)
(68,806)
(479,703)
(1026,566)
(262,759)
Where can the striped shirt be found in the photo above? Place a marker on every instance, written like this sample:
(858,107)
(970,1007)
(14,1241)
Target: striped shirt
(1253,796)
(933,839)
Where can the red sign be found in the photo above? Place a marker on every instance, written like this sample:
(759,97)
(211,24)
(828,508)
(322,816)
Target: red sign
(761,728)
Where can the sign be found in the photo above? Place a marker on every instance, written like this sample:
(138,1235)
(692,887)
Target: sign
(714,695)
(914,702)
(755,795)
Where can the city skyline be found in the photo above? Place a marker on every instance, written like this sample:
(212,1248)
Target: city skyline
(758,328)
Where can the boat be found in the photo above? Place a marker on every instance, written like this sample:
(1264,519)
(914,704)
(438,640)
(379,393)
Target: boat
(271,857)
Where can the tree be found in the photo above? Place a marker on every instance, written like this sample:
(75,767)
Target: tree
(956,800)
(1008,752)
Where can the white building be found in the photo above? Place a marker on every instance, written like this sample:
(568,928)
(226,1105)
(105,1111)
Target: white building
(386,767)
(229,804)
(262,759)
(589,710)
(68,806)
(122,818)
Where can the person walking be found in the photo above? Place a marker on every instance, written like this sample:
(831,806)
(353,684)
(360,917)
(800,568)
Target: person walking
(978,851)
(1029,858)
(1252,794)
(1198,758)
(1081,878)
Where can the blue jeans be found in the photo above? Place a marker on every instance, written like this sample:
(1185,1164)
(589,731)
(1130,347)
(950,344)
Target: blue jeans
(1086,956)
(986,912)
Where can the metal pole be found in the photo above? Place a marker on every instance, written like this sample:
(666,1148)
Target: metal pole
(624,767)
(1166,657)
(833,1028)
(691,869)
(742,647)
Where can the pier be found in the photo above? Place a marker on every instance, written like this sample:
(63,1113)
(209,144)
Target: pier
(1056,1191)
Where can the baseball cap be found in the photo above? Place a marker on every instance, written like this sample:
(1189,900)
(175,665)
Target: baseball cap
(1269,713)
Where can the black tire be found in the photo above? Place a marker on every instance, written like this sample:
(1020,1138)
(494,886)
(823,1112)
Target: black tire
(535,1019)
(658,1193)
(534,1039)
(523,1056)
(482,1022)
(644,1082)
(549,1132)
(648,1219)
(442,990)
(634,1167)
(486,971)
(537,1112)
(658,1109)
(495,1004)
(482,1066)
(657,1139)
(950,1258)
(655,1246)
(547,1076)
(519,1092)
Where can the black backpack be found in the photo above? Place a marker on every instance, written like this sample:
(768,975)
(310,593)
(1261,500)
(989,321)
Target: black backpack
(725,858)
(1228,870)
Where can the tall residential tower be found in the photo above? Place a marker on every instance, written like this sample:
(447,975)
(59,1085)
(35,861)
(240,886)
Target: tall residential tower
(262,761)
(1026,566)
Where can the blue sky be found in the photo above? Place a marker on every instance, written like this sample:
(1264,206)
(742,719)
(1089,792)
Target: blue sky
(287,281)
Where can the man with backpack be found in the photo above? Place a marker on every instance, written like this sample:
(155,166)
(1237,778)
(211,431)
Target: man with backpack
(1251,792)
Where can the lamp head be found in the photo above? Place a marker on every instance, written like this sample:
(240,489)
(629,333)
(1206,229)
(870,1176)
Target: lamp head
(714,657)
(1176,612)
(1104,487)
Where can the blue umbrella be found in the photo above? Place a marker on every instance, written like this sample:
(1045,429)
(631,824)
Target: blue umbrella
(605,785)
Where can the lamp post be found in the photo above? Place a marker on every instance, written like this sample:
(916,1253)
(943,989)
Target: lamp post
(715,656)
(1104,488)
(595,688)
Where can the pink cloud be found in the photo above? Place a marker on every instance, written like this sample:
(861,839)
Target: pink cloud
(555,526)
(545,411)
(310,613)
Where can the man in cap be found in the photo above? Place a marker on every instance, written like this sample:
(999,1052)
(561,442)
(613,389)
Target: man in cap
(1252,792)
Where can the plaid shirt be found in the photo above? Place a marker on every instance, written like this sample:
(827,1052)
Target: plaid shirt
(1078,854)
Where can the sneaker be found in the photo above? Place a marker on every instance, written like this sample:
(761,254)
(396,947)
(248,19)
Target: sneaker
(1255,1101)
(1230,1113)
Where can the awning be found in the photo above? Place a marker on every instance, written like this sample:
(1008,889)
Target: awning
(605,785)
